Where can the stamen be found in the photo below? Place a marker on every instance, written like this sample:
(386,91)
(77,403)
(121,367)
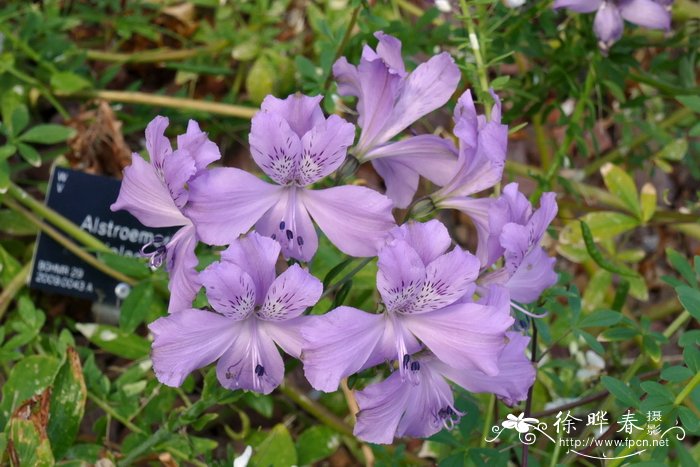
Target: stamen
(259,370)
(290,234)
(300,241)
(157,255)
(415,366)
(406,360)
(524,310)
(282,225)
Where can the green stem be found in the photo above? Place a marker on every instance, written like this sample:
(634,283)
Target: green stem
(181,103)
(481,71)
(541,140)
(343,43)
(687,389)
(571,132)
(155,55)
(676,324)
(68,244)
(488,420)
(57,219)
(317,410)
(114,414)
(13,287)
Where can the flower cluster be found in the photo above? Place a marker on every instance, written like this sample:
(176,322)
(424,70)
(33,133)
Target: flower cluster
(446,317)
(610,15)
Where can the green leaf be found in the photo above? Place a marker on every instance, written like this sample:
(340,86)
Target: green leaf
(7,151)
(47,134)
(647,199)
(19,119)
(28,378)
(690,299)
(689,420)
(621,184)
(316,443)
(601,318)
(674,151)
(681,265)
(620,390)
(655,389)
(692,102)
(69,82)
(604,225)
(277,450)
(4,175)
(129,265)
(115,341)
(260,80)
(261,403)
(29,154)
(594,295)
(29,444)
(691,357)
(67,404)
(14,223)
(135,307)
(676,374)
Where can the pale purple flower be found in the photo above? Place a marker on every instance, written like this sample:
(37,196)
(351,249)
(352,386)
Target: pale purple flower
(422,287)
(422,405)
(155,193)
(528,271)
(295,145)
(389,100)
(608,23)
(482,154)
(253,313)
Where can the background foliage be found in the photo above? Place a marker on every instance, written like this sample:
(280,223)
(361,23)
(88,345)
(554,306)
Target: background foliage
(616,137)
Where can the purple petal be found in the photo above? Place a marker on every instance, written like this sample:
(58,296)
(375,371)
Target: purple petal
(463,335)
(290,294)
(579,6)
(286,334)
(226,202)
(389,49)
(447,279)
(144,195)
(178,169)
(338,344)
(433,157)
(289,223)
(323,149)
(515,241)
(542,217)
(346,77)
(429,239)
(381,407)
(400,180)
(252,361)
(514,206)
(379,90)
(427,88)
(646,13)
(157,145)
(199,146)
(301,112)
(400,163)
(230,290)
(257,256)
(608,24)
(514,379)
(275,147)
(400,275)
(187,340)
(181,262)
(479,211)
(534,275)
(431,405)
(355,219)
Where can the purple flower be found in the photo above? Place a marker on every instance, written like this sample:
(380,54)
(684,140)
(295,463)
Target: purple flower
(253,312)
(482,154)
(389,100)
(423,405)
(528,270)
(295,145)
(421,286)
(156,193)
(608,23)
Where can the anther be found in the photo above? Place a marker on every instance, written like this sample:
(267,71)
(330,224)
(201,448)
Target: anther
(259,370)
(406,360)
(282,225)
(290,235)
(415,366)
(300,241)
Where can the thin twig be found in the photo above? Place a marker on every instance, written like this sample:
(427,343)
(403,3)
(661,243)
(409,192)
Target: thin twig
(14,286)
